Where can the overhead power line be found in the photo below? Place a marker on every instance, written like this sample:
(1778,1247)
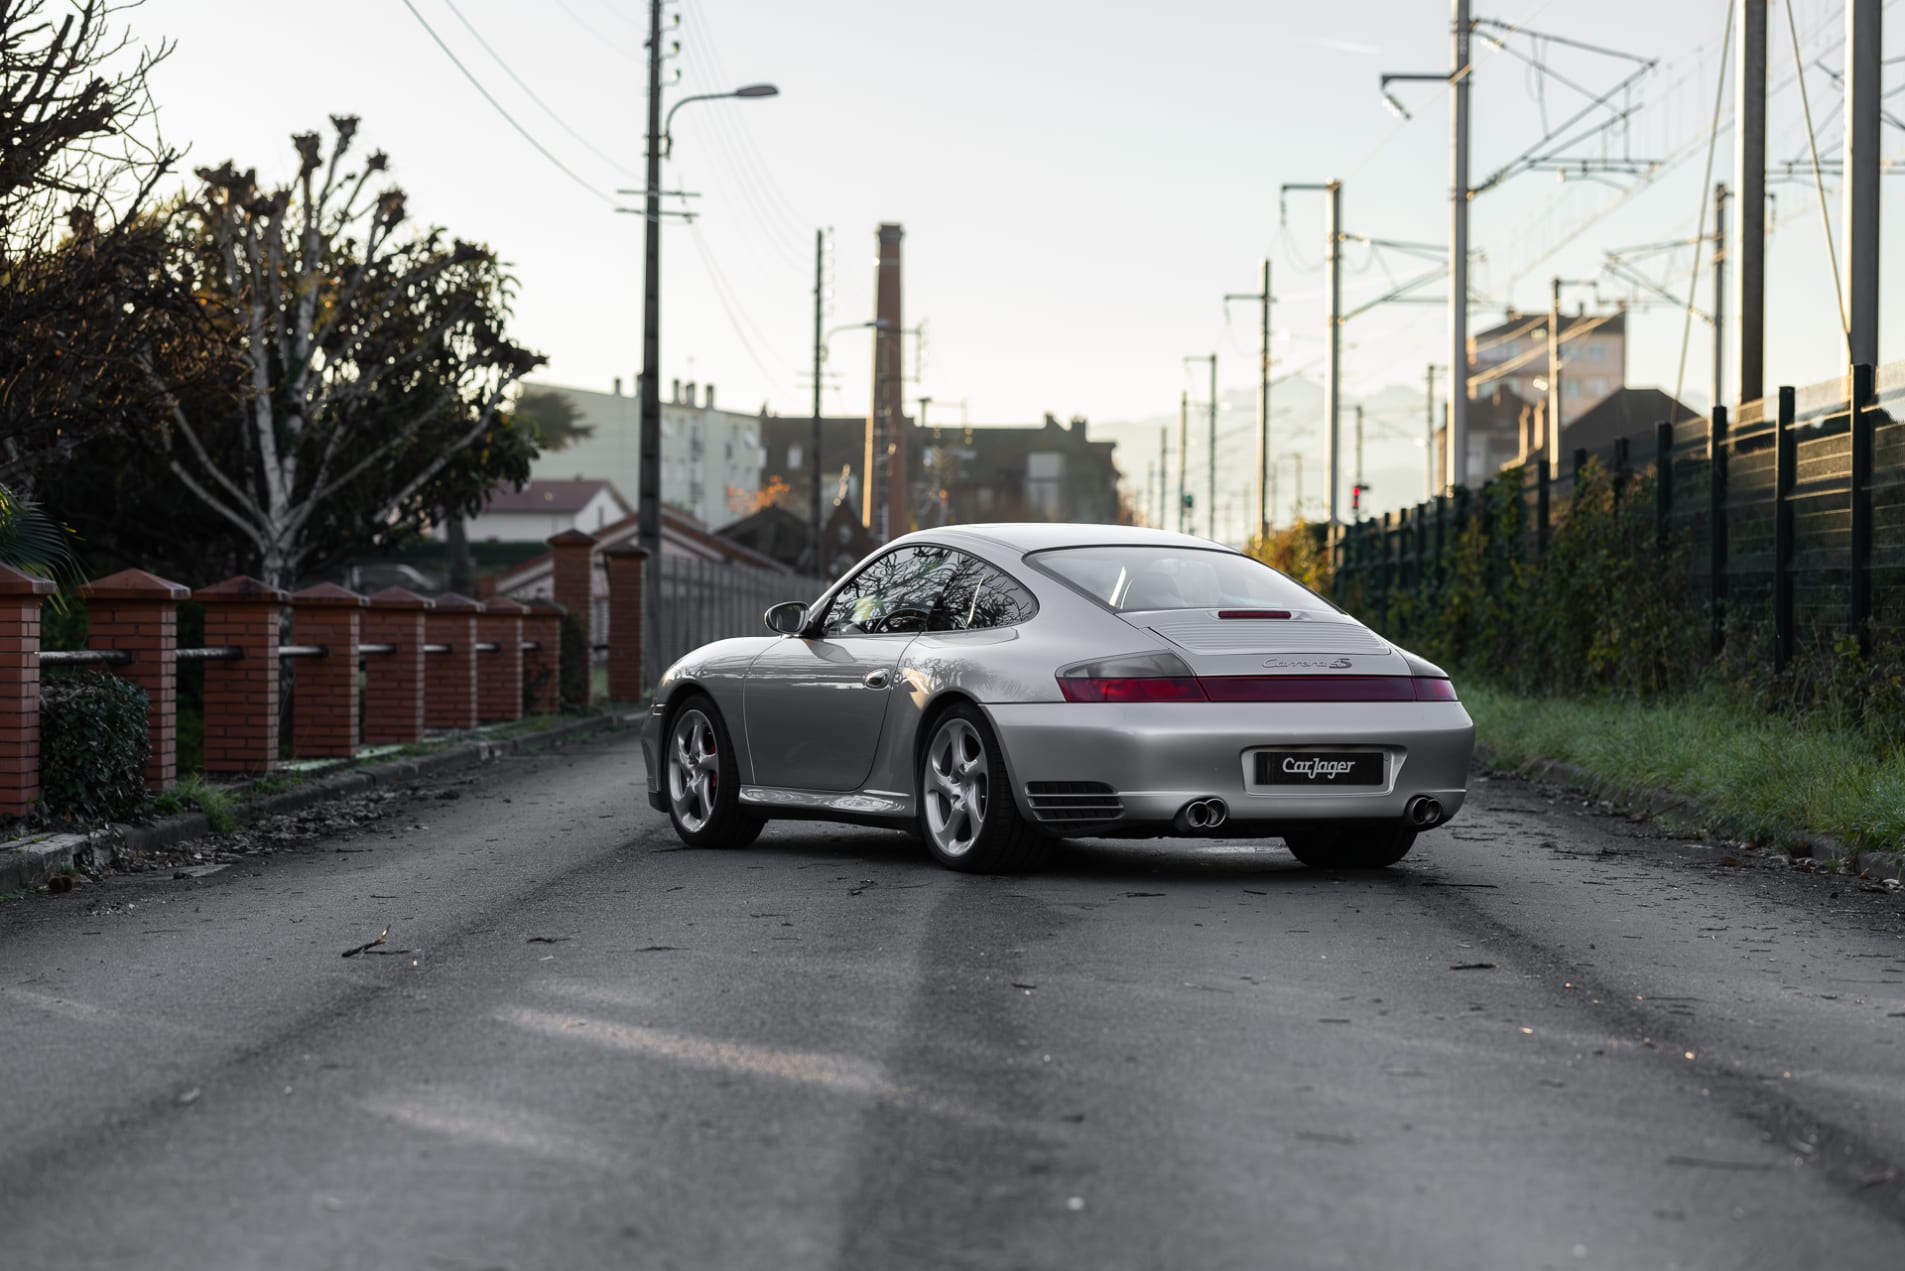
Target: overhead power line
(531,94)
(511,119)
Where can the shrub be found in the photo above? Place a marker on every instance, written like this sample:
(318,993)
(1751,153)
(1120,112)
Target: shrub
(93,748)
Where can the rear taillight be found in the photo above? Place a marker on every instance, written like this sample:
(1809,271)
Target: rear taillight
(1164,677)
(1136,677)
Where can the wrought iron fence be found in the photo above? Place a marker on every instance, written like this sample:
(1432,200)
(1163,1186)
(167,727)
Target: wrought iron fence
(1792,508)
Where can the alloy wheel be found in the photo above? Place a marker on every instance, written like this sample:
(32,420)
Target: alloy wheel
(957,787)
(694,770)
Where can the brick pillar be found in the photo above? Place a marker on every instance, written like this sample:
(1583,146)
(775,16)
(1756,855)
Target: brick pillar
(542,665)
(625,566)
(324,719)
(499,675)
(573,586)
(20,689)
(241,697)
(449,679)
(393,682)
(133,611)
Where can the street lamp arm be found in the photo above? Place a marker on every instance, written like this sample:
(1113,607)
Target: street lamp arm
(748,90)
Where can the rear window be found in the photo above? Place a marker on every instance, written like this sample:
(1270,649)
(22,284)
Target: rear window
(1144,577)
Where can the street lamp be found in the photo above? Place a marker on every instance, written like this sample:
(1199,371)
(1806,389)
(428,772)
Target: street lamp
(746,90)
(648,502)
(820,357)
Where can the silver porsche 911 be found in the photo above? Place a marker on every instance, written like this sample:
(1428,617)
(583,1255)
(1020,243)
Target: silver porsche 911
(997,687)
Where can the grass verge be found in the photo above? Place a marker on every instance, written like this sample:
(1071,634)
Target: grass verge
(1768,779)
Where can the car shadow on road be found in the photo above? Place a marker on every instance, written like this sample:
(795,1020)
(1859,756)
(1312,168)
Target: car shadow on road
(1128,861)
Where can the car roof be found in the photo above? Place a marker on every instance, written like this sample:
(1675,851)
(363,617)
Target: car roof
(1038,536)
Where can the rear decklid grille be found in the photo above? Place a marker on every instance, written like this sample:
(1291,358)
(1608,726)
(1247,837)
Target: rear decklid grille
(1202,631)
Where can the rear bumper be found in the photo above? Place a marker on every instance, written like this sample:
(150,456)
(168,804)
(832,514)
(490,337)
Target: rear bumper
(1158,757)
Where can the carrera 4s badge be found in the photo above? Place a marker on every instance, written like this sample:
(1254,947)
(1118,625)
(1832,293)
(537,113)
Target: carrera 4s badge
(1307,664)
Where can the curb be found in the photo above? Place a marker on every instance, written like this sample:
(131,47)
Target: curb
(1656,803)
(31,863)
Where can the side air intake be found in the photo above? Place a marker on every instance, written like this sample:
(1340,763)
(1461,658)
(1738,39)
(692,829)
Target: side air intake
(1063,801)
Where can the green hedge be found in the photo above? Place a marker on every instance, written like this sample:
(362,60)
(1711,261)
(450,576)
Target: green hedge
(93,748)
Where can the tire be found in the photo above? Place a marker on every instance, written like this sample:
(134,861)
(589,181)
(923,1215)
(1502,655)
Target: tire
(967,814)
(701,782)
(1354,847)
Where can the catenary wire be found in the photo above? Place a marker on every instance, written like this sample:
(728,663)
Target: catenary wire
(1819,182)
(529,92)
(478,86)
(1713,142)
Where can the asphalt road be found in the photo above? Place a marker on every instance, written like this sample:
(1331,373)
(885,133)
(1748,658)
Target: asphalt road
(1550,1038)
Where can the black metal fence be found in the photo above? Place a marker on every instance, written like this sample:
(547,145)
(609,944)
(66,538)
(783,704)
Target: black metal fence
(704,600)
(1792,510)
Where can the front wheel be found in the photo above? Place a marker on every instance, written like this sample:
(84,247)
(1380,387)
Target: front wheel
(967,814)
(1355,847)
(704,780)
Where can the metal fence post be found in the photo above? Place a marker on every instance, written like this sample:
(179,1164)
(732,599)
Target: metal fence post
(1785,467)
(1717,526)
(1663,482)
(1862,428)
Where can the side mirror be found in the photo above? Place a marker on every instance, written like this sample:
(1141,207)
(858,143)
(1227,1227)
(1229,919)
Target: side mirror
(787,618)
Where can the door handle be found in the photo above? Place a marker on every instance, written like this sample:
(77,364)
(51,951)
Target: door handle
(877,679)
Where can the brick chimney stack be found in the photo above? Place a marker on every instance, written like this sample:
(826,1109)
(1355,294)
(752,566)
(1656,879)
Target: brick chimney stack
(883,508)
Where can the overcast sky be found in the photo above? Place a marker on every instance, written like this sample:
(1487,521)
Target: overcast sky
(1081,182)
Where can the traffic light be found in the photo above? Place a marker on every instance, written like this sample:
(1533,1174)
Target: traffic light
(1356,499)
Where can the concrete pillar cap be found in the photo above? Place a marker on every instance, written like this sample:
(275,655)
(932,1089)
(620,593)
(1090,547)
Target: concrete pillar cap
(135,584)
(240,590)
(451,602)
(328,595)
(571,538)
(399,598)
(15,582)
(504,606)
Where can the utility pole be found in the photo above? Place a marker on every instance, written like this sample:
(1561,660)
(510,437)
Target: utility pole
(1183,452)
(1557,367)
(1719,295)
(1428,464)
(1863,66)
(1164,473)
(1749,176)
(820,524)
(1263,399)
(648,494)
(1460,74)
(1210,485)
(1356,490)
(1552,441)
(1211,458)
(1333,363)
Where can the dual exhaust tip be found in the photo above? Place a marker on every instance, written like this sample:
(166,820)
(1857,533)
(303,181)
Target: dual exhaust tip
(1204,814)
(1422,811)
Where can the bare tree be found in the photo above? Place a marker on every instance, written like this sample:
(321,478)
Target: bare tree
(375,362)
(82,293)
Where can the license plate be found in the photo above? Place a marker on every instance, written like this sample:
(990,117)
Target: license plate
(1329,768)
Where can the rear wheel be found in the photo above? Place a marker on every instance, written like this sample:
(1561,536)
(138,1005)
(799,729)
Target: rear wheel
(967,814)
(1352,847)
(704,780)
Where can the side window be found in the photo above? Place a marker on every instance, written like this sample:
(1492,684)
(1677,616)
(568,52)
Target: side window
(978,596)
(894,594)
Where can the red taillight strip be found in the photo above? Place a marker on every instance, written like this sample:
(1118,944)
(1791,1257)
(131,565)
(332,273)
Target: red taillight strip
(1309,688)
(1258,688)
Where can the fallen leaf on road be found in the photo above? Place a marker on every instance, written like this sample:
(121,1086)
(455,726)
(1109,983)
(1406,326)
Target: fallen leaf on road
(1471,966)
(365,948)
(189,1097)
(1139,895)
(1250,892)
(658,948)
(547,939)
(1318,1136)
(1017,985)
